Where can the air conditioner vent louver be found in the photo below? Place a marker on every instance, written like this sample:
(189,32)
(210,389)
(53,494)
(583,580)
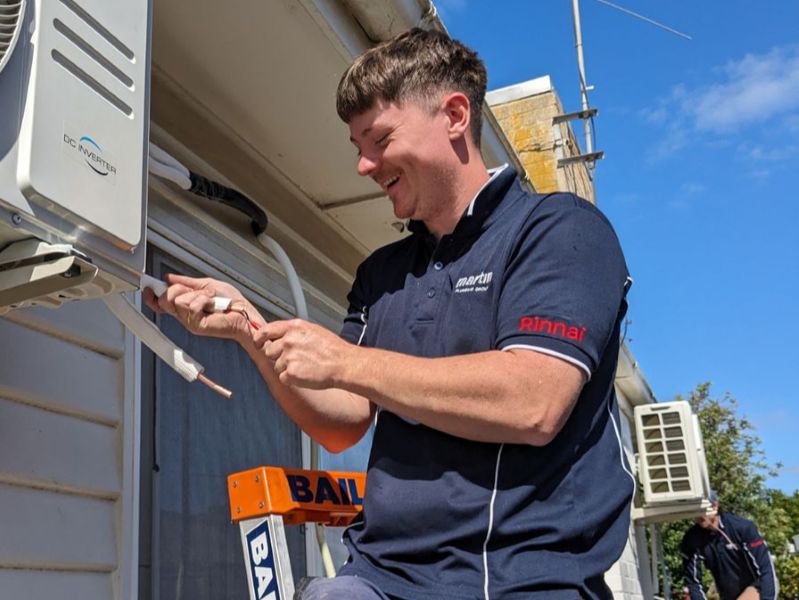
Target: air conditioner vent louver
(92,53)
(11,12)
(90,81)
(671,454)
(86,17)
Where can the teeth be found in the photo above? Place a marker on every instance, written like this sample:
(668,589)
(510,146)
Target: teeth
(389,182)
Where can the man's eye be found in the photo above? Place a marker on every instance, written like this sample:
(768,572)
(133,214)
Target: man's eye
(383,140)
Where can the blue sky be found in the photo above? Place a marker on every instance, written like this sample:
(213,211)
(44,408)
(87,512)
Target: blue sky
(701,140)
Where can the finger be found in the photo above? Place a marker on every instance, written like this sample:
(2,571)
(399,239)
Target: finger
(280,365)
(189,306)
(273,350)
(167,300)
(200,304)
(259,338)
(150,300)
(194,283)
(276,329)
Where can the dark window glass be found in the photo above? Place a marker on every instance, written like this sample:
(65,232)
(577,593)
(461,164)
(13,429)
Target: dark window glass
(192,439)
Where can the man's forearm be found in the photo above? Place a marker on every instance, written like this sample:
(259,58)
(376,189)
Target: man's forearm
(335,418)
(515,397)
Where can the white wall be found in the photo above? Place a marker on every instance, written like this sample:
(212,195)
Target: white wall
(629,578)
(68,455)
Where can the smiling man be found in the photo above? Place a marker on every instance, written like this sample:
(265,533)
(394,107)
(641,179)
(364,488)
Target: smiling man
(483,346)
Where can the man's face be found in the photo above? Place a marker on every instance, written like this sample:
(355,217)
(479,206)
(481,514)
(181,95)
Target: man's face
(405,148)
(708,521)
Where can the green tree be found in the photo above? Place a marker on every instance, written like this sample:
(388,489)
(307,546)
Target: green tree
(788,574)
(788,566)
(738,471)
(790,504)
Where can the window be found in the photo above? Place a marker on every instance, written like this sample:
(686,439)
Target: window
(191,440)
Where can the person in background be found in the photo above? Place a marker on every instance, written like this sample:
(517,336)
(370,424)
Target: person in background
(734,551)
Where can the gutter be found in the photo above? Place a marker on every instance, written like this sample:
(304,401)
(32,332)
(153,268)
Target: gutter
(631,381)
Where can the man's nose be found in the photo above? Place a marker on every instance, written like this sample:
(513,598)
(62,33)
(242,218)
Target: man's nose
(366,165)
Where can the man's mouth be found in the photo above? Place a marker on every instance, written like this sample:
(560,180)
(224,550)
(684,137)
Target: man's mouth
(387,183)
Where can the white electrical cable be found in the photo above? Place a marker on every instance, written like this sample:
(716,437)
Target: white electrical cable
(301,310)
(167,159)
(168,172)
(297,295)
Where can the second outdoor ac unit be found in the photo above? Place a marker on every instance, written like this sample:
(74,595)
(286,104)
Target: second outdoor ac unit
(672,464)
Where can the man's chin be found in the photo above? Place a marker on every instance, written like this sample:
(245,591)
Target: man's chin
(402,212)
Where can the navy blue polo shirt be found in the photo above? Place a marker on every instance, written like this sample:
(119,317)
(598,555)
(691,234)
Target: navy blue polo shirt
(445,517)
(736,554)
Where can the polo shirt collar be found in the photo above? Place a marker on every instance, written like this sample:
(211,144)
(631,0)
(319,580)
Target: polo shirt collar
(482,205)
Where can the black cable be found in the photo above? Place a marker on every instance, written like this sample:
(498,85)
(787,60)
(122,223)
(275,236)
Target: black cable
(202,186)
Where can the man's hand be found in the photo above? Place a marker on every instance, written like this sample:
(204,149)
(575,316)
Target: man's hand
(188,300)
(304,354)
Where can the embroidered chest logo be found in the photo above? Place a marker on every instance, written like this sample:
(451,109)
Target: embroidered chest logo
(474,283)
(536,324)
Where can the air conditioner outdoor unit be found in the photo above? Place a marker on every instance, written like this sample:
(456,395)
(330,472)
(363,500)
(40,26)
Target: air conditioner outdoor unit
(671,455)
(74,120)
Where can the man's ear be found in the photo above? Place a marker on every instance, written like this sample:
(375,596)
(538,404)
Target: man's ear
(457,109)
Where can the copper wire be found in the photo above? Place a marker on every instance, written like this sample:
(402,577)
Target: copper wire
(226,393)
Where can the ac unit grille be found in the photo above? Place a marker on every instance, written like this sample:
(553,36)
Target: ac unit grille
(11,12)
(92,52)
(667,470)
(90,81)
(99,28)
(89,51)
(668,450)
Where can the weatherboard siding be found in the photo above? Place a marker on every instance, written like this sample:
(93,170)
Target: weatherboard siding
(67,454)
(629,578)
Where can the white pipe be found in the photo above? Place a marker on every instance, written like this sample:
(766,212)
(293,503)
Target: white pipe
(169,173)
(301,310)
(151,336)
(164,157)
(297,295)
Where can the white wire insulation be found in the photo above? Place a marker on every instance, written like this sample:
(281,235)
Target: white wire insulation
(167,159)
(301,310)
(156,285)
(151,336)
(169,173)
(297,295)
(219,304)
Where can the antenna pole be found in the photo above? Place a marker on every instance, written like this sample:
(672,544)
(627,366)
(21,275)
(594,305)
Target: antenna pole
(578,38)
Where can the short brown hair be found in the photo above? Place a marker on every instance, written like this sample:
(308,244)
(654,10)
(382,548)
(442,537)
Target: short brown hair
(415,64)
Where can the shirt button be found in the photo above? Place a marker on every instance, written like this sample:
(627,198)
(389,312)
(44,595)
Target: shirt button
(438,266)
(431,292)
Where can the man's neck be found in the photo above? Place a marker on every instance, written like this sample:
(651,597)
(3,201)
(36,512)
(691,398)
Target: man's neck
(464,188)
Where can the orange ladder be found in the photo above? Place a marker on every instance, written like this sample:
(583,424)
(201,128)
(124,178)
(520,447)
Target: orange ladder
(264,499)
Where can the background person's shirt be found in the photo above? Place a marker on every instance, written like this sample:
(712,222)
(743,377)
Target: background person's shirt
(737,556)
